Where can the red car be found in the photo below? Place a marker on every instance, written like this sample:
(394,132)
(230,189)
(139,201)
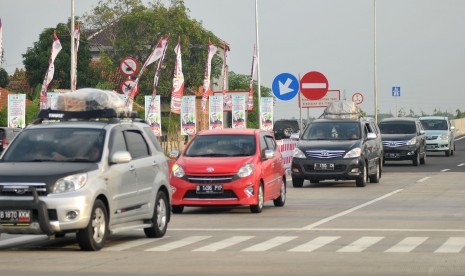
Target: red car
(229,167)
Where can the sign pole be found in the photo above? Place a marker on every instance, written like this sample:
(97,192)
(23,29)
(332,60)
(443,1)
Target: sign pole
(258,66)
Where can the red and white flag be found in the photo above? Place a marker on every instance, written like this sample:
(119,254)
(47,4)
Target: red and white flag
(157,53)
(76,35)
(225,68)
(1,41)
(56,48)
(206,82)
(178,82)
(254,64)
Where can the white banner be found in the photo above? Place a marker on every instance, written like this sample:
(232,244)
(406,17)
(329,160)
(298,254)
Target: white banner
(266,107)
(153,114)
(52,99)
(216,112)
(17,110)
(188,118)
(238,111)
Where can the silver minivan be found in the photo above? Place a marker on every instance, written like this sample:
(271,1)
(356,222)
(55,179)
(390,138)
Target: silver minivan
(439,134)
(88,176)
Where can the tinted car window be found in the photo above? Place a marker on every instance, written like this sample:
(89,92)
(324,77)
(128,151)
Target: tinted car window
(136,144)
(221,145)
(434,124)
(119,143)
(332,131)
(153,138)
(397,127)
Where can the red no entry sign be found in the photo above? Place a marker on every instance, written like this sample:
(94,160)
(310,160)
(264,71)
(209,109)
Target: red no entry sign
(314,85)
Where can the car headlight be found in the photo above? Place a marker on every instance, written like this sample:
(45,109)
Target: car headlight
(245,170)
(444,136)
(178,171)
(70,183)
(353,153)
(298,153)
(412,141)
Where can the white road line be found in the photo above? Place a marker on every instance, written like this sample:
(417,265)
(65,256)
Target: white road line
(423,179)
(316,229)
(314,244)
(445,170)
(407,245)
(22,239)
(179,243)
(271,243)
(452,245)
(131,244)
(224,243)
(360,244)
(461,164)
(313,225)
(313,85)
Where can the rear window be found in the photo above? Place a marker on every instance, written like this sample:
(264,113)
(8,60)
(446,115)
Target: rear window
(221,145)
(397,127)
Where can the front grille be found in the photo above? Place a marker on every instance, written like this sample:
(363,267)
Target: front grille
(432,137)
(227,194)
(325,154)
(209,179)
(394,144)
(22,189)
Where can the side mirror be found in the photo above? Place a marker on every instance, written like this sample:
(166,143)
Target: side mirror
(269,154)
(422,132)
(120,157)
(371,136)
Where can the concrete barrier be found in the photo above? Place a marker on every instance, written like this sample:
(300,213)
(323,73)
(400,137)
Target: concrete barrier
(459,125)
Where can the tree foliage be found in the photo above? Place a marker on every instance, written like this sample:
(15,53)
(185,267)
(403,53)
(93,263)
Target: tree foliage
(36,60)
(4,78)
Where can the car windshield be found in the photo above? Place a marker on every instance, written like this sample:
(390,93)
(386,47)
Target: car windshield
(332,131)
(56,144)
(397,127)
(434,124)
(221,145)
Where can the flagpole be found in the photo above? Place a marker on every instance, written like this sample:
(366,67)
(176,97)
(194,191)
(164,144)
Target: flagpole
(258,65)
(72,47)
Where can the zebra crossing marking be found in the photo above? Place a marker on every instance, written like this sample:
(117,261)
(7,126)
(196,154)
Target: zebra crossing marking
(179,243)
(452,245)
(131,244)
(314,244)
(360,244)
(271,243)
(224,243)
(407,245)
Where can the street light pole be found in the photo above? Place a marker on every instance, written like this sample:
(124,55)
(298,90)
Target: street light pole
(374,58)
(72,47)
(258,65)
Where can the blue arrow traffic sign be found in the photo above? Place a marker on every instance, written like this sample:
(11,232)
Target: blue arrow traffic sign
(396,91)
(285,86)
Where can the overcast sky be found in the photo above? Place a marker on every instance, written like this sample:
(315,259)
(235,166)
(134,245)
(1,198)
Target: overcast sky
(420,44)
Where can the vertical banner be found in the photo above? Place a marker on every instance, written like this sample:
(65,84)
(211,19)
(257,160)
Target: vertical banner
(17,110)
(216,112)
(76,35)
(56,48)
(206,81)
(178,82)
(52,98)
(266,107)
(153,114)
(238,111)
(188,118)
(254,64)
(1,41)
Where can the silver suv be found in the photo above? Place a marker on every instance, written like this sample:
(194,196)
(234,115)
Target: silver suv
(439,134)
(88,173)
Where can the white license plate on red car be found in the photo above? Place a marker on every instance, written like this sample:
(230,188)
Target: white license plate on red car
(323,166)
(209,189)
(15,217)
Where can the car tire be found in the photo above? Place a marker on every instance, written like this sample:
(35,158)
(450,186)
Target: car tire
(375,177)
(281,200)
(160,217)
(257,208)
(177,209)
(447,152)
(452,150)
(297,182)
(361,181)
(423,159)
(416,159)
(93,237)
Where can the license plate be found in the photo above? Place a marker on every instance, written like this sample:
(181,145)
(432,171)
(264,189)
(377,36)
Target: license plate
(430,147)
(323,166)
(15,217)
(209,189)
(393,155)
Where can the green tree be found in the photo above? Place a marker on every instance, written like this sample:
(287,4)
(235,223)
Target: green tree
(136,30)
(460,114)
(4,78)
(36,60)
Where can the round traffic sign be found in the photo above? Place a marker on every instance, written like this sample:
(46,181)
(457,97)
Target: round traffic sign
(128,66)
(314,85)
(129,85)
(357,98)
(285,86)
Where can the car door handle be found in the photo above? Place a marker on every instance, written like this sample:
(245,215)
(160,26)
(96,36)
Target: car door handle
(154,163)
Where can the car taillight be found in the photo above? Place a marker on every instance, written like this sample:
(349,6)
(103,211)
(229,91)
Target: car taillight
(4,143)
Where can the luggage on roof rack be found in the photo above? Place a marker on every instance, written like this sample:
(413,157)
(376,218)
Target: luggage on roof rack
(341,110)
(90,99)
(48,115)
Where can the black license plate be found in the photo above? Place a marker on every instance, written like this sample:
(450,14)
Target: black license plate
(323,166)
(393,155)
(209,189)
(15,217)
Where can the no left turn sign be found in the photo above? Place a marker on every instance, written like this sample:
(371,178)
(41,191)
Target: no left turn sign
(357,98)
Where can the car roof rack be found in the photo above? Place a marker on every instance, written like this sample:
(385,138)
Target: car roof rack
(342,110)
(106,115)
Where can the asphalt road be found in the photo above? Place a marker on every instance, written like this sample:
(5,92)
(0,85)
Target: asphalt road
(411,223)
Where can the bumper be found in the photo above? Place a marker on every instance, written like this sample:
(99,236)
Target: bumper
(400,153)
(344,168)
(48,213)
(437,145)
(240,191)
